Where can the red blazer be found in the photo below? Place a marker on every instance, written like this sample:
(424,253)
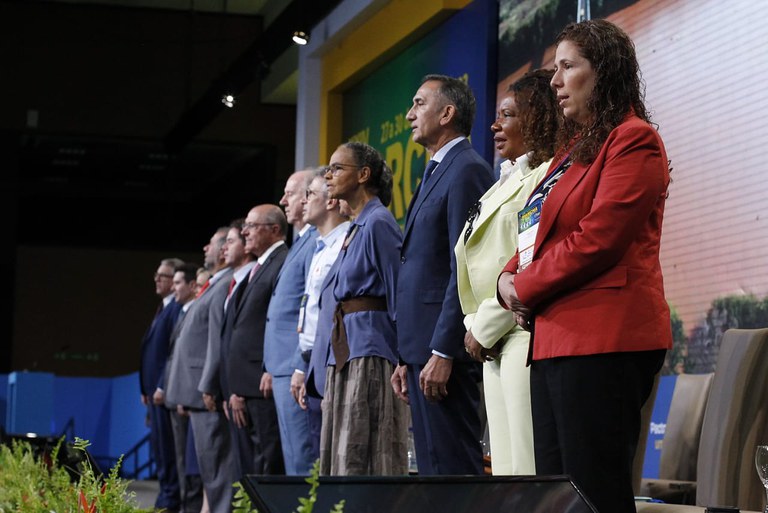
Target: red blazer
(595,283)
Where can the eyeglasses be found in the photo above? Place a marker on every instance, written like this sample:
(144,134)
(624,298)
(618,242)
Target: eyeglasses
(163,275)
(335,169)
(250,226)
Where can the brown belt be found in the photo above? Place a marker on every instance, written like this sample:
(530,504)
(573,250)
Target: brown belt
(339,342)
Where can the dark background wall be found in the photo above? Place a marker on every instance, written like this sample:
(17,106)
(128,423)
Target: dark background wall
(91,195)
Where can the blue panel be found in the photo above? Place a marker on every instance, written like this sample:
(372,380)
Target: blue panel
(30,403)
(128,419)
(658,426)
(3,400)
(82,409)
(467,43)
(105,411)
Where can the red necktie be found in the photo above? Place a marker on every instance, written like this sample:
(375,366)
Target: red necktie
(231,286)
(203,288)
(253,271)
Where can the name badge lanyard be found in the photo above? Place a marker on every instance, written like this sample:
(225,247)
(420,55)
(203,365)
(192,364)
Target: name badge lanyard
(528,218)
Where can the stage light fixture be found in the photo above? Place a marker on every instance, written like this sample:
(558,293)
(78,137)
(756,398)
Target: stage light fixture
(228,100)
(301,37)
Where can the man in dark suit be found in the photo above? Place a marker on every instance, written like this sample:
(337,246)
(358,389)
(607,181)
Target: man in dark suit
(210,429)
(436,376)
(154,353)
(281,337)
(247,388)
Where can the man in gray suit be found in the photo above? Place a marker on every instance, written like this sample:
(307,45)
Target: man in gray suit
(281,338)
(209,428)
(247,387)
(185,291)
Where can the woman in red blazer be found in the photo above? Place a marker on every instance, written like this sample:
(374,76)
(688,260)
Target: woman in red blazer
(589,287)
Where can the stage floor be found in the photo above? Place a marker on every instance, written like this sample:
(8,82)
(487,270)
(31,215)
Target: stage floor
(146,492)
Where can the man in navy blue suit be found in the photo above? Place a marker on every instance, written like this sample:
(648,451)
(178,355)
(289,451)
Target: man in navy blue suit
(154,354)
(436,376)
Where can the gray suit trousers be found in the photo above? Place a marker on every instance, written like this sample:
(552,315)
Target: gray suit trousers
(215,457)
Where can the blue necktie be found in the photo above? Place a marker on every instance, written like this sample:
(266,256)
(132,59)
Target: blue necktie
(431,165)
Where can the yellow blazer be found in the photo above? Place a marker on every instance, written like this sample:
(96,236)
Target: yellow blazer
(491,244)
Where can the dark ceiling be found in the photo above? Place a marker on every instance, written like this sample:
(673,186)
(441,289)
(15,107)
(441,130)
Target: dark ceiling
(115,135)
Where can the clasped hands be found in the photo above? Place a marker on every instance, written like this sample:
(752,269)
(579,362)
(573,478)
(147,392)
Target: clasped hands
(478,352)
(508,294)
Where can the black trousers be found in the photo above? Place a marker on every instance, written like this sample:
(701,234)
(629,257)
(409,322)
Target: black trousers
(586,421)
(258,444)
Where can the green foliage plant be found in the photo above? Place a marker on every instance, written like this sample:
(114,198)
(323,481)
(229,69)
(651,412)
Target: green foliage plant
(37,483)
(242,503)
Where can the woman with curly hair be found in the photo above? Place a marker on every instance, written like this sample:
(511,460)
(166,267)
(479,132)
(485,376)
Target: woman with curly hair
(587,279)
(524,133)
(364,427)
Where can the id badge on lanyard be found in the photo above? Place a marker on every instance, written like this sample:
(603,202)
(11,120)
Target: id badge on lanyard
(527,227)
(302,313)
(529,217)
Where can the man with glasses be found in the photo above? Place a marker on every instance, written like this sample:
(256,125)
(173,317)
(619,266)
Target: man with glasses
(281,337)
(246,387)
(154,354)
(323,213)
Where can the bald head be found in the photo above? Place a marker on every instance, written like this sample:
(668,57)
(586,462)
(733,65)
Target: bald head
(295,187)
(264,225)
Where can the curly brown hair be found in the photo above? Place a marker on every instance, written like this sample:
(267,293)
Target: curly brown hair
(619,87)
(539,115)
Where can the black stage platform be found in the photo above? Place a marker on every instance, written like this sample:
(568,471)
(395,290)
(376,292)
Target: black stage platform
(417,494)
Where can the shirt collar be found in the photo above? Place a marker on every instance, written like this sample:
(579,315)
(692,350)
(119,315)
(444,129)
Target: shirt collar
(217,276)
(510,166)
(244,271)
(442,152)
(332,236)
(265,255)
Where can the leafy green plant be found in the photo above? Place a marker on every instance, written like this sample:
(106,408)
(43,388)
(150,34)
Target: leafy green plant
(676,357)
(734,311)
(242,503)
(31,481)
(28,484)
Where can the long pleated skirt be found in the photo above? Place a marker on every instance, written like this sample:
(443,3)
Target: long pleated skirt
(365,427)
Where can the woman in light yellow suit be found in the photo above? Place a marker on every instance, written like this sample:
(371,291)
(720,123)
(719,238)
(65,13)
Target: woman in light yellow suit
(524,129)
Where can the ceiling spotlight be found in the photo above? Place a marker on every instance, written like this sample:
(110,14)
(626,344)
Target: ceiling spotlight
(300,37)
(228,100)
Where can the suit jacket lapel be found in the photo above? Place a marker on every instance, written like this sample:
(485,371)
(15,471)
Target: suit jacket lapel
(555,200)
(252,283)
(295,250)
(496,199)
(423,192)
